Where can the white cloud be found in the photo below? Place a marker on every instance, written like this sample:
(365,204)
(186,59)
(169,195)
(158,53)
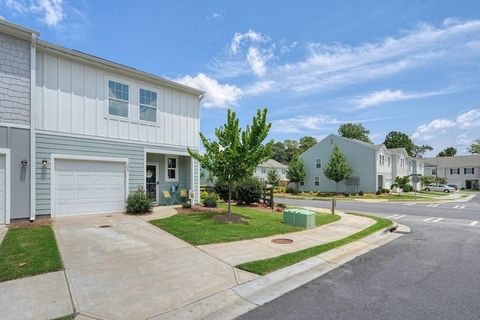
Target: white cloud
(249,36)
(259,87)
(438,127)
(302,123)
(217,95)
(384,96)
(49,12)
(330,66)
(257,59)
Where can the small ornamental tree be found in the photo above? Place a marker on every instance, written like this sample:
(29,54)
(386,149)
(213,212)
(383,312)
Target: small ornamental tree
(337,168)
(235,154)
(475,147)
(296,171)
(273,177)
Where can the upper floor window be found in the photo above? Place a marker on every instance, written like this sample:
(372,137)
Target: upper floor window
(318,163)
(402,162)
(468,170)
(317,181)
(264,170)
(284,171)
(434,171)
(117,99)
(455,171)
(171,168)
(389,160)
(381,159)
(148,105)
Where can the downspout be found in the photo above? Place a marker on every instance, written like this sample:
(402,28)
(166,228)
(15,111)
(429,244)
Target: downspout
(33,119)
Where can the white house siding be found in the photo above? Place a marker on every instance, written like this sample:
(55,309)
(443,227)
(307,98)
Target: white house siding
(71,97)
(384,169)
(456,179)
(361,157)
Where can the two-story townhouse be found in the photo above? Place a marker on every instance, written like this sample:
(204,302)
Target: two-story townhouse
(102,130)
(261,172)
(17,61)
(374,166)
(462,171)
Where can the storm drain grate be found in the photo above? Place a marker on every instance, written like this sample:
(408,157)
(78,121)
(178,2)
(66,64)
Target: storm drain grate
(105,226)
(282,241)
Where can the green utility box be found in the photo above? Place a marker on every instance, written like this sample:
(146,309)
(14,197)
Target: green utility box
(299,218)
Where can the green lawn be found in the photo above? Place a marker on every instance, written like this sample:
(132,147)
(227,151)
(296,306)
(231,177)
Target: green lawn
(201,228)
(265,266)
(36,247)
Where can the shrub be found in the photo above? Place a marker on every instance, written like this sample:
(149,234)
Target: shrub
(360,193)
(138,202)
(378,193)
(407,188)
(203,195)
(248,191)
(346,194)
(385,190)
(221,189)
(353,194)
(210,202)
(279,189)
(186,205)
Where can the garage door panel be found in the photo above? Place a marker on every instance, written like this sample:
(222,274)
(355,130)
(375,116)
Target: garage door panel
(89,187)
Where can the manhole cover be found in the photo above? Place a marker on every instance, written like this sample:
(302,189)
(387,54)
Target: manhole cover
(282,241)
(105,226)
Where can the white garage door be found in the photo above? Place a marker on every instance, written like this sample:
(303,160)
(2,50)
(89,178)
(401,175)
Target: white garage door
(83,187)
(3,189)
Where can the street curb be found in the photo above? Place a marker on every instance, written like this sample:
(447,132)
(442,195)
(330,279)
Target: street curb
(240,299)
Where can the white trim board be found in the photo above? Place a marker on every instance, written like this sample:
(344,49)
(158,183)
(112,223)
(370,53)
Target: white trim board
(6,153)
(14,125)
(54,157)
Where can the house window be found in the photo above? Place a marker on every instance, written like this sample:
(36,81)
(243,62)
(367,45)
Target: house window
(117,99)
(318,163)
(317,181)
(468,171)
(454,171)
(402,162)
(302,183)
(381,159)
(264,170)
(148,105)
(171,168)
(389,160)
(434,171)
(284,171)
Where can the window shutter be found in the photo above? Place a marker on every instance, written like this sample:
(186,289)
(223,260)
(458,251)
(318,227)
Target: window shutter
(464,170)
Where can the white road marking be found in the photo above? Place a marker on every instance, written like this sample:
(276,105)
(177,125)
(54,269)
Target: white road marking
(428,219)
(430,205)
(456,207)
(437,220)
(462,207)
(409,204)
(435,205)
(474,223)
(400,216)
(393,216)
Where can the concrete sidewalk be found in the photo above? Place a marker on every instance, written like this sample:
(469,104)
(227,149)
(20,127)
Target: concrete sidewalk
(238,252)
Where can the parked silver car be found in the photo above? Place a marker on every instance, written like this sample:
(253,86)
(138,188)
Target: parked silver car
(439,187)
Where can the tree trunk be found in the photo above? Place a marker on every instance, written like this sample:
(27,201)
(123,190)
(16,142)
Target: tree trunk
(229,211)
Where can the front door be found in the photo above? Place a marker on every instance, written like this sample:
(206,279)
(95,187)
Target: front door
(380,181)
(151,181)
(468,184)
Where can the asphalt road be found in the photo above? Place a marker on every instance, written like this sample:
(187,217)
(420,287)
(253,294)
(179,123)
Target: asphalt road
(431,273)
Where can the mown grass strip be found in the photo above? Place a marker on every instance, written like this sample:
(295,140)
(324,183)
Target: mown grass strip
(265,266)
(27,252)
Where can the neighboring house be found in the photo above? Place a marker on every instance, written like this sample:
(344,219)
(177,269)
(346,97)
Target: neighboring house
(88,132)
(462,171)
(374,166)
(261,172)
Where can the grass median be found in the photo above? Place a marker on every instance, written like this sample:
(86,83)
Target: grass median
(27,252)
(265,266)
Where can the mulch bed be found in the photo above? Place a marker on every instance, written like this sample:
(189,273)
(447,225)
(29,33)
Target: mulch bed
(25,223)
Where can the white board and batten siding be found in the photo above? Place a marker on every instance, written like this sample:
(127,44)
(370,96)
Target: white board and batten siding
(72,98)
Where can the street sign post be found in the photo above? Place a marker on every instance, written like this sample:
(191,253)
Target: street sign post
(415,179)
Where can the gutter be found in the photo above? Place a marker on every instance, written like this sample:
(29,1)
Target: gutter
(33,119)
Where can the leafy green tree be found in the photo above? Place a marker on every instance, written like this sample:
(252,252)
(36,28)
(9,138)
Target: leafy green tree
(419,151)
(291,147)
(296,171)
(396,139)
(354,131)
(306,143)
(475,147)
(337,168)
(447,152)
(280,152)
(426,180)
(236,152)
(273,177)
(402,183)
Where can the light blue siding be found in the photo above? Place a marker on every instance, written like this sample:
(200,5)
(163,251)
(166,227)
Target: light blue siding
(360,156)
(47,144)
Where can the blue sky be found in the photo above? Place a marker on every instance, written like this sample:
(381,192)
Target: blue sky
(411,66)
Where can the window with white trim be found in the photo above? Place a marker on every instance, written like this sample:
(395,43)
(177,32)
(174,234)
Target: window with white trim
(148,105)
(264,170)
(302,183)
(318,163)
(389,160)
(317,181)
(469,170)
(381,160)
(117,99)
(402,162)
(171,168)
(454,171)
(434,171)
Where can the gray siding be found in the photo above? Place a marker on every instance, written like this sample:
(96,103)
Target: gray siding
(359,156)
(48,144)
(14,80)
(18,141)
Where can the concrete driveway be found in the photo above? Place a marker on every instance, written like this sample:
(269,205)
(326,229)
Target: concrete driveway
(122,267)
